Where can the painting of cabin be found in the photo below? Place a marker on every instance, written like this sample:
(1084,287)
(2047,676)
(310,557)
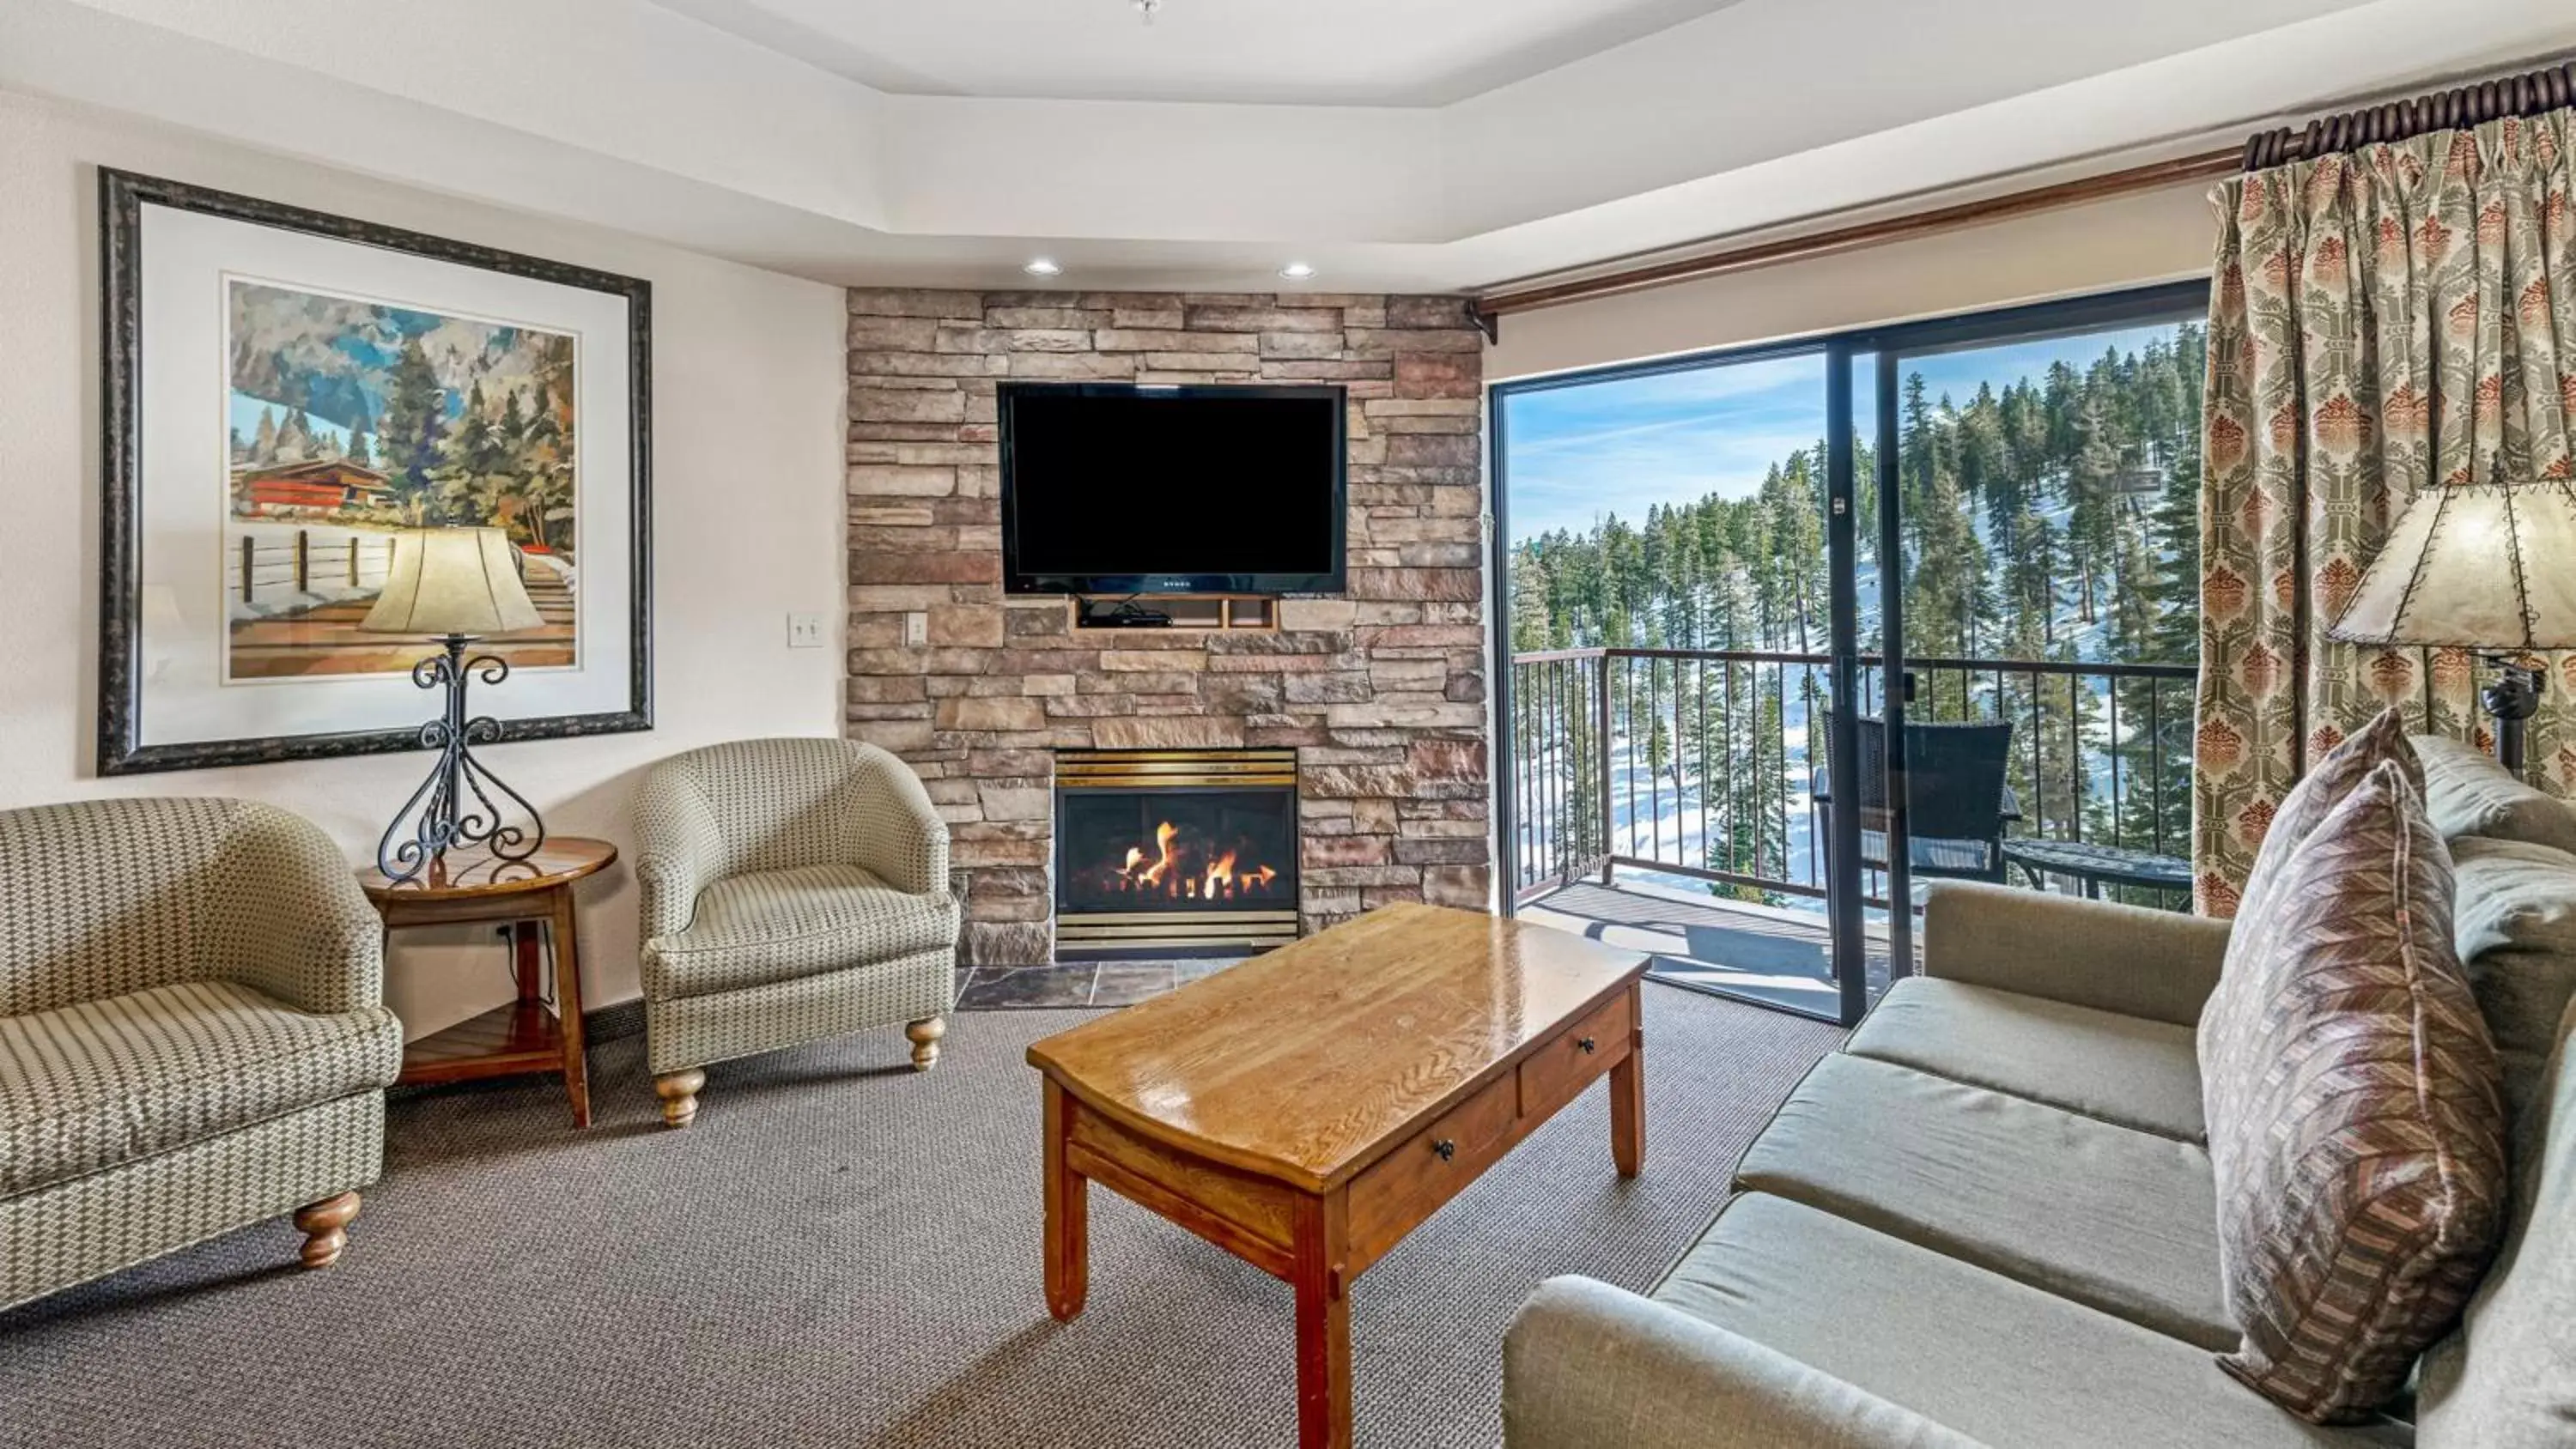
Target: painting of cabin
(351,419)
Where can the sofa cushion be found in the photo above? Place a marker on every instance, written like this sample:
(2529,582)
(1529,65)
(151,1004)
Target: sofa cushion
(2120,1069)
(2381,742)
(776,925)
(2504,1380)
(2002,1362)
(88,1086)
(2514,921)
(2120,1220)
(2467,793)
(2355,1111)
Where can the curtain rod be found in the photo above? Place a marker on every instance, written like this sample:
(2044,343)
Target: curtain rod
(2541,90)
(2550,89)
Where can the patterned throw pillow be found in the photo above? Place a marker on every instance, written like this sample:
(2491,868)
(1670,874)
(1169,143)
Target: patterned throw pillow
(2321,789)
(2355,1115)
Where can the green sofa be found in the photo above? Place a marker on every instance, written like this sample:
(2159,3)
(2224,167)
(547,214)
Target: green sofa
(1990,1218)
(192,1034)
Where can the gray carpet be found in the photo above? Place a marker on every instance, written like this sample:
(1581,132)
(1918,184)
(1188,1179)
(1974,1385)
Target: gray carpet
(842,1253)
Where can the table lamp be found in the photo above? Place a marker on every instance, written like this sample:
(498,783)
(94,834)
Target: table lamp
(454,585)
(2481,566)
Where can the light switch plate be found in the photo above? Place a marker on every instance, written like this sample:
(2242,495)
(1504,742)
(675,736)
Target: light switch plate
(804,631)
(916,629)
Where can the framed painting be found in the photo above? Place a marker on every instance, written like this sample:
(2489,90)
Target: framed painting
(289,396)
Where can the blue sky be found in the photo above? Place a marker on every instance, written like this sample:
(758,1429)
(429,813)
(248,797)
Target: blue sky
(243,412)
(1574,454)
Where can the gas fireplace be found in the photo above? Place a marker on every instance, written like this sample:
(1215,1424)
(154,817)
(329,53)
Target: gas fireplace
(1174,850)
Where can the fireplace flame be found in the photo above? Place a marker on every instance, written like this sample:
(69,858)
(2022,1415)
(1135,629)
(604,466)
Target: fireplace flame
(1179,869)
(1154,873)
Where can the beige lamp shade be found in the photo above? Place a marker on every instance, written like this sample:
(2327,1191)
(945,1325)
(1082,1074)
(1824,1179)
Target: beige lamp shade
(452,581)
(2476,566)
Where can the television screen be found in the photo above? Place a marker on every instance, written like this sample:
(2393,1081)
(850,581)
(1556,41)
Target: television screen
(1120,489)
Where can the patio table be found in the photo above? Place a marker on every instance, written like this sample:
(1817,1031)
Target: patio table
(2096,864)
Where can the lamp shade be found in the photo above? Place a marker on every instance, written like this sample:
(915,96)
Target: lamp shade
(452,581)
(2475,566)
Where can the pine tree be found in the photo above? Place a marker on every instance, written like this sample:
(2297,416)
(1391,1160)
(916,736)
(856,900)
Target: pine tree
(2030,582)
(414,426)
(263,448)
(295,437)
(1945,595)
(2092,498)
(467,465)
(1917,456)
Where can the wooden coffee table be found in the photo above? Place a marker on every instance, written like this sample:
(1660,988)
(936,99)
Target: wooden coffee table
(1306,1109)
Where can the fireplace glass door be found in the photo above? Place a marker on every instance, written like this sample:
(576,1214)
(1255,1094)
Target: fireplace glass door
(1171,850)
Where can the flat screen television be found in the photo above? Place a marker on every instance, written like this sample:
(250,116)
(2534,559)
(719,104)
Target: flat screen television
(1117,488)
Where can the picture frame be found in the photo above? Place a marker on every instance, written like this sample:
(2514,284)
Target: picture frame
(285,393)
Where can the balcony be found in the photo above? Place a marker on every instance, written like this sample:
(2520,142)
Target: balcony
(1664,799)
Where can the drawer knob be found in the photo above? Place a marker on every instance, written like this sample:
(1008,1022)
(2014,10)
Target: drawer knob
(1446,1148)
(1587,1045)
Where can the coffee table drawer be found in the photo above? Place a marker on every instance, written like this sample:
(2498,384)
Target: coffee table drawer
(1565,1064)
(1427,1169)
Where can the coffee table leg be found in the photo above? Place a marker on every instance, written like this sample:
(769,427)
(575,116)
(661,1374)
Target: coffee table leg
(1628,1098)
(1068,1214)
(1323,1323)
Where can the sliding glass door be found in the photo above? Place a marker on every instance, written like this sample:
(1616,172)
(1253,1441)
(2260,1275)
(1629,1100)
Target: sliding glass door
(1720,576)
(2037,550)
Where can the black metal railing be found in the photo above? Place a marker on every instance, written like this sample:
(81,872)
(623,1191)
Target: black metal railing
(1701,762)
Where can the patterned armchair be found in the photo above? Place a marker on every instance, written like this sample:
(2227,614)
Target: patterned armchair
(192,1034)
(794,890)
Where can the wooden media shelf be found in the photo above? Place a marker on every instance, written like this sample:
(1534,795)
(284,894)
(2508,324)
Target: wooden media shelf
(1200,612)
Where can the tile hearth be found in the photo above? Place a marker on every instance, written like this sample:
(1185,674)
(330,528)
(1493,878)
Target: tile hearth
(1076,983)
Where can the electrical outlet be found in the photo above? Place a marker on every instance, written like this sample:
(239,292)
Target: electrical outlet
(916,630)
(804,631)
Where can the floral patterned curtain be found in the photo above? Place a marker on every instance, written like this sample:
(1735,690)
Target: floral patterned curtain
(2391,319)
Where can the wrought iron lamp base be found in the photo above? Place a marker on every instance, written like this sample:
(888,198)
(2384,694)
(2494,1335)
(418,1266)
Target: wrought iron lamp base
(455,806)
(2512,700)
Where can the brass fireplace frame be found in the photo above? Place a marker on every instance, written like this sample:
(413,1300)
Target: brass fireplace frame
(1171,931)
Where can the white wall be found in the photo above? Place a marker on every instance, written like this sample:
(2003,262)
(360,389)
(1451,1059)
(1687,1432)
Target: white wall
(2155,236)
(747,505)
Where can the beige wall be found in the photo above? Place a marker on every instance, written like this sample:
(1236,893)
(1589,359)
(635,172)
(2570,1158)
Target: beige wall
(747,503)
(2157,236)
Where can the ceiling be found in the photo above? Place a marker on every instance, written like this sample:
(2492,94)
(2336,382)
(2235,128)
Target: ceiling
(1257,52)
(1415,145)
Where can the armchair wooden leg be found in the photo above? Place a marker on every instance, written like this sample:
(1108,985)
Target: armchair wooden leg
(325,1226)
(679,1093)
(925,1035)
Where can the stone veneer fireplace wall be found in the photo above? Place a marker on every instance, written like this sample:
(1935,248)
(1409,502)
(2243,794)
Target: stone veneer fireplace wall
(1380,690)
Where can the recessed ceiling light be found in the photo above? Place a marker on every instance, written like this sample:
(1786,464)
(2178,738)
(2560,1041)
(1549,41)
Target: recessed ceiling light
(1042,267)
(1296,271)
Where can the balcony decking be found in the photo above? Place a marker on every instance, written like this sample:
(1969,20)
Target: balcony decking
(1746,949)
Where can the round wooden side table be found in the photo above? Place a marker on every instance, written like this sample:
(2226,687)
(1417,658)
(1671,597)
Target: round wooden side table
(534,898)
